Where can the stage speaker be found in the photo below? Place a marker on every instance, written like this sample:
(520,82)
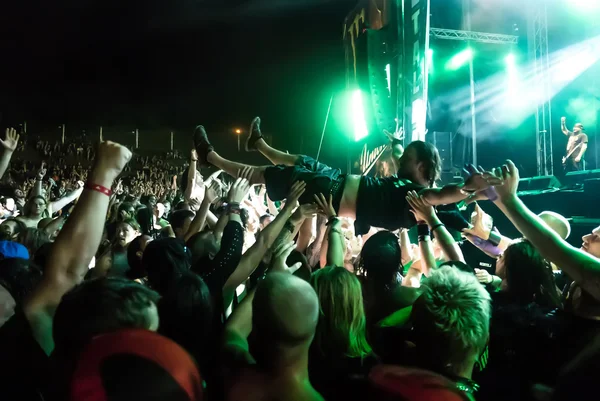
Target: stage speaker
(578,177)
(538,183)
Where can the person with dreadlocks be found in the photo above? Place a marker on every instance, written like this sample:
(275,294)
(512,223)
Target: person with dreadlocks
(378,202)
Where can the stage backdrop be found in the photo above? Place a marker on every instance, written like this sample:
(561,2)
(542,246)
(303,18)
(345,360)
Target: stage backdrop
(386,43)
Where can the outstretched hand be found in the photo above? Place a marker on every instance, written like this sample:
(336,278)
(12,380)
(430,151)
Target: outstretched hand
(398,135)
(11,140)
(509,174)
(42,172)
(422,210)
(478,228)
(480,180)
(240,188)
(296,192)
(279,260)
(325,205)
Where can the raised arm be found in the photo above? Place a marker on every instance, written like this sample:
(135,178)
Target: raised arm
(426,213)
(332,253)
(191,177)
(563,126)
(37,189)
(9,144)
(76,244)
(583,268)
(396,145)
(266,239)
(490,242)
(65,200)
(477,182)
(200,219)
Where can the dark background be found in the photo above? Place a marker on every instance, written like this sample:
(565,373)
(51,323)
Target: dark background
(163,66)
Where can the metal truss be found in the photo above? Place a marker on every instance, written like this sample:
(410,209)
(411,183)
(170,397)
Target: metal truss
(481,37)
(538,48)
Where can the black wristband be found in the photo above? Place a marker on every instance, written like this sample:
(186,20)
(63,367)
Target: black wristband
(437,226)
(494,238)
(423,230)
(331,220)
(396,142)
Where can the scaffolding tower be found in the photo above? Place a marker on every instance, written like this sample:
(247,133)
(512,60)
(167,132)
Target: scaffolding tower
(539,53)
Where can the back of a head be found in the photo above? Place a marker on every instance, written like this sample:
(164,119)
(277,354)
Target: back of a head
(179,217)
(430,157)
(33,239)
(381,257)
(100,306)
(18,277)
(165,260)
(135,365)
(451,319)
(557,222)
(145,220)
(528,275)
(342,323)
(289,311)
(186,314)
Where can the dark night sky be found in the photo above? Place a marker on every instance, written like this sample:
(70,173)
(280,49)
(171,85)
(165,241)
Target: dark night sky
(174,64)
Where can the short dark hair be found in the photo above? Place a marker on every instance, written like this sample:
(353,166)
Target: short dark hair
(19,277)
(177,218)
(99,306)
(131,223)
(264,217)
(430,157)
(165,260)
(134,262)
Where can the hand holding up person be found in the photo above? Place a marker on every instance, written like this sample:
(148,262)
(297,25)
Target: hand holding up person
(422,210)
(325,206)
(478,228)
(291,202)
(240,188)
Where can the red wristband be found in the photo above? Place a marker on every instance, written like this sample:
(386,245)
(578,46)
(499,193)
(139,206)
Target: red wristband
(99,188)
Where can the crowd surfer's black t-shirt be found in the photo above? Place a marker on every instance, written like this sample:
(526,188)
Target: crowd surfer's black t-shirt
(382,203)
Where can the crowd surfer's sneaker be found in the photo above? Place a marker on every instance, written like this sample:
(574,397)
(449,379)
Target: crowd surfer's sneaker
(254,135)
(202,145)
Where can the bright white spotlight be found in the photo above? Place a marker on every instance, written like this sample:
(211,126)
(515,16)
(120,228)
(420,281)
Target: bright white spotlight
(358,115)
(585,5)
(510,60)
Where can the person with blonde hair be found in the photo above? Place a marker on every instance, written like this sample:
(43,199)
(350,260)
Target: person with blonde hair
(340,355)
(451,322)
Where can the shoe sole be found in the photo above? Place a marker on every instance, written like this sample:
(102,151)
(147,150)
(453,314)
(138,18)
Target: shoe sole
(247,147)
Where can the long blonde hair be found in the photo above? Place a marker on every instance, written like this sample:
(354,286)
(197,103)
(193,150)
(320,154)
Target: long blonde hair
(342,323)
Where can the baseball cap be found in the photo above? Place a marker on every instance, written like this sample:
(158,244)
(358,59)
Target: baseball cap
(410,384)
(135,364)
(11,249)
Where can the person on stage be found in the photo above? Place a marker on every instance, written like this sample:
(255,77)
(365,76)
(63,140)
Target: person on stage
(377,202)
(576,146)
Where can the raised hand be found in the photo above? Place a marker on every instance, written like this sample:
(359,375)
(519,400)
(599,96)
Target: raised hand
(398,135)
(480,180)
(510,176)
(483,276)
(79,185)
(325,205)
(478,228)
(194,155)
(112,158)
(240,188)
(279,260)
(213,191)
(42,172)
(422,210)
(295,193)
(11,140)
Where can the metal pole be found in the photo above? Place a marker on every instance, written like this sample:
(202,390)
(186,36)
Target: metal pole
(63,134)
(137,138)
(101,138)
(324,127)
(171,141)
(467,17)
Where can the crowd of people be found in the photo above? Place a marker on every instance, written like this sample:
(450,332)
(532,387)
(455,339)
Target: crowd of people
(143,280)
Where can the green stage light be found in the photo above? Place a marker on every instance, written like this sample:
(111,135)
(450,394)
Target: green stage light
(510,60)
(358,115)
(460,59)
(388,75)
(430,61)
